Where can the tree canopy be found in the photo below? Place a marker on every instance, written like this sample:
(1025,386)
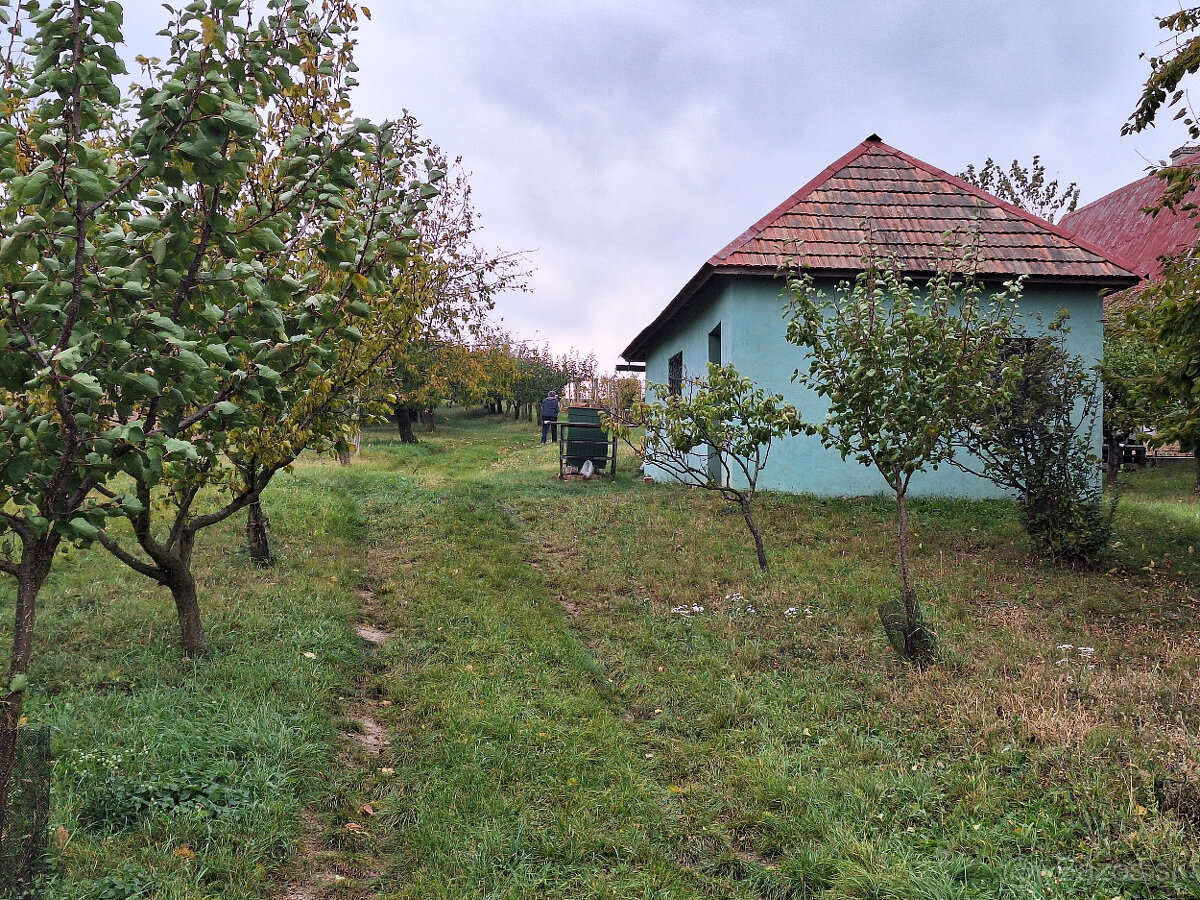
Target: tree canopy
(1163,91)
(1167,313)
(1025,186)
(191,271)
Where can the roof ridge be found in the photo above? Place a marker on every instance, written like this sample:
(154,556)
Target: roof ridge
(1188,161)
(1140,240)
(915,204)
(811,185)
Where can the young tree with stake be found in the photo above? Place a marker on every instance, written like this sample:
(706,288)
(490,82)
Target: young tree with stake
(902,364)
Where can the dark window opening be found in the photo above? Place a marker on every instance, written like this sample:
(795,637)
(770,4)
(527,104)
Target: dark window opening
(675,375)
(714,345)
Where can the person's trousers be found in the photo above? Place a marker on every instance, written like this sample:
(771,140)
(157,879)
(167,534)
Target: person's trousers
(550,426)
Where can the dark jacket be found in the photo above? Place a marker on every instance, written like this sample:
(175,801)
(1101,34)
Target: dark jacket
(550,408)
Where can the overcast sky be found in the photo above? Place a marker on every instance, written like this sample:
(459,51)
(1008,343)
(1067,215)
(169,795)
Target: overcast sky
(623,142)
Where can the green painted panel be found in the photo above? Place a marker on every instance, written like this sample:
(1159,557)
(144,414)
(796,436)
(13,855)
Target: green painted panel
(585,443)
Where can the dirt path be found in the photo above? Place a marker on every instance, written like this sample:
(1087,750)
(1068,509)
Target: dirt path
(327,866)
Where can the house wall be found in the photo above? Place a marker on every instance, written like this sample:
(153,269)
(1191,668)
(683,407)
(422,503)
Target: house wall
(750,314)
(690,334)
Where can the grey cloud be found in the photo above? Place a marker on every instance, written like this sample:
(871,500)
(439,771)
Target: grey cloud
(627,140)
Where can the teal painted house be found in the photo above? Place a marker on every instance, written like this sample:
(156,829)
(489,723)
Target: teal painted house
(731,311)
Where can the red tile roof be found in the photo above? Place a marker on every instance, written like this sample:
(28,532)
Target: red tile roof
(909,206)
(1119,223)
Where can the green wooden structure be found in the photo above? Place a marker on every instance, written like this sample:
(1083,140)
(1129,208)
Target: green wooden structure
(581,438)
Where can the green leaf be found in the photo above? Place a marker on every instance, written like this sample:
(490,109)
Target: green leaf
(82,528)
(88,385)
(240,119)
(266,239)
(159,251)
(177,447)
(28,189)
(148,383)
(266,373)
(87,183)
(68,359)
(132,431)
(217,353)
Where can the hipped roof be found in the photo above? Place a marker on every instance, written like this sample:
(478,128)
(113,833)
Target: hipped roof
(908,206)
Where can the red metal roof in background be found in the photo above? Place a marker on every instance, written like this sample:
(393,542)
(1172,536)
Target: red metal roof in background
(1118,222)
(910,206)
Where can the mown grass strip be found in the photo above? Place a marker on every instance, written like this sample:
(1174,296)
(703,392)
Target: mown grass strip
(512,773)
(758,728)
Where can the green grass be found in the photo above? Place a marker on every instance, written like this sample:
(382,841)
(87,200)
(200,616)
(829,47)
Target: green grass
(560,728)
(250,727)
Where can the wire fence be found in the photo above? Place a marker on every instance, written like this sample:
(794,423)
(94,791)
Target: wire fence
(23,842)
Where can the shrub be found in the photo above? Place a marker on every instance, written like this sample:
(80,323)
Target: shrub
(1034,437)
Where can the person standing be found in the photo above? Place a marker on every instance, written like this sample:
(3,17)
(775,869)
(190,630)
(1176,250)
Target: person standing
(550,416)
